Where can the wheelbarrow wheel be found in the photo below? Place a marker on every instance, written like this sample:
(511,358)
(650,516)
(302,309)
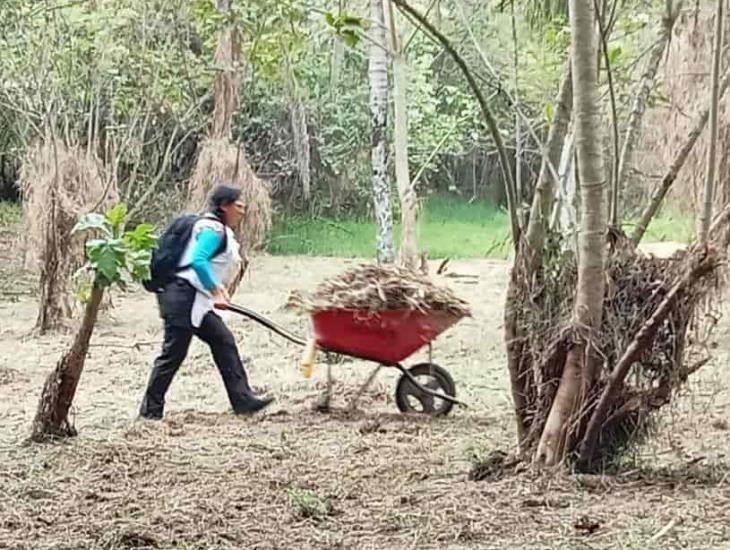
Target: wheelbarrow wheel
(411,399)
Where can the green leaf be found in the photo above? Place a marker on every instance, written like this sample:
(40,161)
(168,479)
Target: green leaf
(352,20)
(105,260)
(350,38)
(141,237)
(614,53)
(117,215)
(91,221)
(549,111)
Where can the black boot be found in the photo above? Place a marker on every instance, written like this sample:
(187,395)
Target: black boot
(252,403)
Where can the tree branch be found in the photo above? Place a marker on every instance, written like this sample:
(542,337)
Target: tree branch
(486,112)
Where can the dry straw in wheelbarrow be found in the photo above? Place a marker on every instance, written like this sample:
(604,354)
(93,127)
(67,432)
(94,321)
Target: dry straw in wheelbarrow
(380,287)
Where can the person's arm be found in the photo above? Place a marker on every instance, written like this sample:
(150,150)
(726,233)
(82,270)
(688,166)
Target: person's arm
(207,242)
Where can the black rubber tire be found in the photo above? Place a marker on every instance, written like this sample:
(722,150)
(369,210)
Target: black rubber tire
(405,388)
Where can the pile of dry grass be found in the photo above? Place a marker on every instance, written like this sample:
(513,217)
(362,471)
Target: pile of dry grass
(636,285)
(378,287)
(59,183)
(221,160)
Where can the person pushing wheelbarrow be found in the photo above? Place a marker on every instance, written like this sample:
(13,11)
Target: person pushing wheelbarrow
(195,260)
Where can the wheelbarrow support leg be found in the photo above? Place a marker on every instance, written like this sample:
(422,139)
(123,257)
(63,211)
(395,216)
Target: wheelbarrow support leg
(363,388)
(323,405)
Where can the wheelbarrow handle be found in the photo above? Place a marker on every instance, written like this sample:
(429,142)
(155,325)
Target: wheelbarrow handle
(267,323)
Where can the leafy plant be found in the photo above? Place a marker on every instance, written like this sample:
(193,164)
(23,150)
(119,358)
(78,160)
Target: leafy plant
(117,255)
(309,504)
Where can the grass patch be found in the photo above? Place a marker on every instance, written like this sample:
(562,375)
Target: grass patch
(10,213)
(447,226)
(668,226)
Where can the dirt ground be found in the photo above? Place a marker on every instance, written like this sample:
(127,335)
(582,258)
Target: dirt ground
(296,478)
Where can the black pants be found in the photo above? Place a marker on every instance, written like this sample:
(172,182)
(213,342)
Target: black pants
(176,303)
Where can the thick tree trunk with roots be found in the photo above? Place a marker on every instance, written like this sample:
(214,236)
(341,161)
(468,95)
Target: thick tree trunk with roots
(378,74)
(51,418)
(581,365)
(408,251)
(596,342)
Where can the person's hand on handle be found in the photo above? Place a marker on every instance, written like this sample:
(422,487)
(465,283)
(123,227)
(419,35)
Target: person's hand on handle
(220,298)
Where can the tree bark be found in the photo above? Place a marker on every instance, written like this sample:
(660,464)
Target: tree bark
(51,418)
(709,195)
(581,365)
(529,258)
(378,74)
(542,202)
(665,185)
(225,85)
(638,106)
(408,251)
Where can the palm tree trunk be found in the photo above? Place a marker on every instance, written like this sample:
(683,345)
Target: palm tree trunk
(378,74)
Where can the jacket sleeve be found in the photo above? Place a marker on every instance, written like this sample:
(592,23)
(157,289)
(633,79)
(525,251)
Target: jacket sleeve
(206,243)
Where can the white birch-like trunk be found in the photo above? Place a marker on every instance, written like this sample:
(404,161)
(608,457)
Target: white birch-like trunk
(408,251)
(378,75)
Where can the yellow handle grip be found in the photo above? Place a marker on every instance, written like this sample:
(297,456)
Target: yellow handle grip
(310,353)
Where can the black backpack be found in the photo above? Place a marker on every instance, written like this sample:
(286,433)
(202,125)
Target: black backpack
(170,248)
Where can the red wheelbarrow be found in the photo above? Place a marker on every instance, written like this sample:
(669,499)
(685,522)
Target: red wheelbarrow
(386,338)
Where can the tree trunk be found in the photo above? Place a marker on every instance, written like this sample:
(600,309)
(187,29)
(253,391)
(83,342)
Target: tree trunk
(638,107)
(529,258)
(51,310)
(566,215)
(225,86)
(520,194)
(408,251)
(546,185)
(378,74)
(709,195)
(581,366)
(665,185)
(51,418)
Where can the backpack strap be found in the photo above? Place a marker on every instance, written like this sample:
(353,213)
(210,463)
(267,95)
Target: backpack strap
(221,247)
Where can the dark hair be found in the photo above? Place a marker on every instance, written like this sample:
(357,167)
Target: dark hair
(221,195)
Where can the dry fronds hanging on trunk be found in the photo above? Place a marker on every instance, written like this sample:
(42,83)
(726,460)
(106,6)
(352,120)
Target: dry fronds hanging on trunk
(59,184)
(220,160)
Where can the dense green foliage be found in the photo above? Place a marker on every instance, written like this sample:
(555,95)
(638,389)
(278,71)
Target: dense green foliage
(133,80)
